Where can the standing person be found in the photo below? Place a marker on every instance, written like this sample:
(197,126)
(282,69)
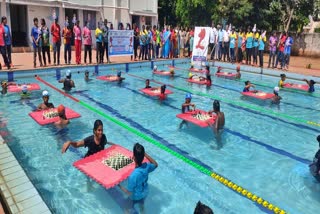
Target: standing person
(249,43)
(105,31)
(8,39)
(287,50)
(99,47)
(135,40)
(143,43)
(233,39)
(239,51)
(280,55)
(212,40)
(255,49)
(272,48)
(261,41)
(166,38)
(45,42)
(226,43)
(220,41)
(56,41)
(87,42)
(220,120)
(155,42)
(36,42)
(67,35)
(137,187)
(77,41)
(191,41)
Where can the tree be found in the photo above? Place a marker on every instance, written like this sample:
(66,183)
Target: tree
(167,12)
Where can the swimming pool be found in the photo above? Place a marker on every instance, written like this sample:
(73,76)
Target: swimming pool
(265,148)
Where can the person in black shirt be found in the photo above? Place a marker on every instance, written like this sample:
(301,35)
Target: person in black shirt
(148,83)
(315,165)
(68,83)
(95,142)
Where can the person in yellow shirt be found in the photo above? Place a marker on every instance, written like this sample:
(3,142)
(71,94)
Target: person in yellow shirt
(261,41)
(256,37)
(249,44)
(99,40)
(233,39)
(281,82)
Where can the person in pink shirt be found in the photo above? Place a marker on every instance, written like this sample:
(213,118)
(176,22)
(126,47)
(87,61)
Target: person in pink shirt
(3,46)
(77,41)
(56,41)
(87,42)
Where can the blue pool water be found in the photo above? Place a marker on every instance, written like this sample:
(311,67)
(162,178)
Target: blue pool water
(261,150)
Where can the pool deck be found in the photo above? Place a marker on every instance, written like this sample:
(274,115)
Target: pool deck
(16,188)
(24,61)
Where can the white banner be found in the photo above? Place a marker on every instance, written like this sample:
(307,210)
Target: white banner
(200,45)
(120,42)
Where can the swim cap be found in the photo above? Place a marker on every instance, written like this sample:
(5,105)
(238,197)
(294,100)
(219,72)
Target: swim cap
(60,108)
(155,68)
(24,88)
(188,96)
(68,73)
(276,89)
(45,94)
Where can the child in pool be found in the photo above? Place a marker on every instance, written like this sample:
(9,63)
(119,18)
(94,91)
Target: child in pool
(220,120)
(202,209)
(238,74)
(208,76)
(4,86)
(147,83)
(86,76)
(186,107)
(247,87)
(162,92)
(281,82)
(63,121)
(315,165)
(311,84)
(137,188)
(25,94)
(219,69)
(276,99)
(45,105)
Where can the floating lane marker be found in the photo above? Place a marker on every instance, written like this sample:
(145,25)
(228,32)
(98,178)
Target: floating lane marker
(237,103)
(226,182)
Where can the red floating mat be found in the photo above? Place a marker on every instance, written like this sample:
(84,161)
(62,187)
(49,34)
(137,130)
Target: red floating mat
(155,91)
(162,73)
(18,88)
(45,117)
(226,75)
(198,117)
(108,167)
(196,70)
(296,86)
(258,95)
(198,81)
(109,78)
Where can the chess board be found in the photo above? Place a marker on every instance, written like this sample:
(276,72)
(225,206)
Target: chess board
(117,161)
(202,117)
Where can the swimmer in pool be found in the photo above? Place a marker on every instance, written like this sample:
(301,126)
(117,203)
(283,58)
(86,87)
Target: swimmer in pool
(247,87)
(315,165)
(162,92)
(4,86)
(219,69)
(171,72)
(281,82)
(147,83)
(95,142)
(238,74)
(186,107)
(219,123)
(63,121)
(68,83)
(276,99)
(202,209)
(155,68)
(119,77)
(208,76)
(311,84)
(86,76)
(45,105)
(24,94)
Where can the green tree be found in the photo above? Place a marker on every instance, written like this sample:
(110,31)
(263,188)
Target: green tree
(167,12)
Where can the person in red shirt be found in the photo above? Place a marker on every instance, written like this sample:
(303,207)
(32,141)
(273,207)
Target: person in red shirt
(77,41)
(3,46)
(280,55)
(67,34)
(56,40)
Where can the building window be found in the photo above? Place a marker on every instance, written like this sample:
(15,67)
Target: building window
(148,20)
(90,16)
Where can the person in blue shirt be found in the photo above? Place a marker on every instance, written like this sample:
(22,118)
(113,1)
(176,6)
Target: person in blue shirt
(7,38)
(221,33)
(36,42)
(311,85)
(261,41)
(287,51)
(137,188)
(249,43)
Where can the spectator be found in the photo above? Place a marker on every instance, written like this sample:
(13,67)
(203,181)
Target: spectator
(105,30)
(135,41)
(99,47)
(213,40)
(77,41)
(287,51)
(8,39)
(56,41)
(67,35)
(36,42)
(239,52)
(261,41)
(45,42)
(87,42)
(280,56)
(272,48)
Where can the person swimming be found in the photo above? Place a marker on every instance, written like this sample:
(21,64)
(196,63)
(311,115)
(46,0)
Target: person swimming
(186,107)
(155,68)
(25,94)
(86,76)
(162,92)
(147,83)
(219,69)
(281,82)
(45,105)
(314,167)
(63,121)
(247,86)
(172,72)
(119,77)
(220,120)
(311,84)
(68,83)
(4,86)
(238,74)
(208,76)
(276,99)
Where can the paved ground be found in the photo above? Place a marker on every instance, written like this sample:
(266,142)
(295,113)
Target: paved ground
(24,61)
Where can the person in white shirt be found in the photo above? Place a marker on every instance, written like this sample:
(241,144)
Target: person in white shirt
(213,41)
(226,42)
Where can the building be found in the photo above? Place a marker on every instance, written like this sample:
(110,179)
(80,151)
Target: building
(20,14)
